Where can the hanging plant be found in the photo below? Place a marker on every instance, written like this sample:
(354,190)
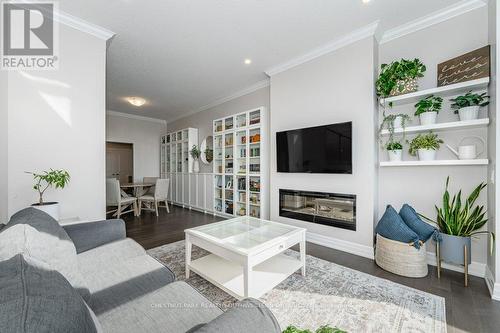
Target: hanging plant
(388,123)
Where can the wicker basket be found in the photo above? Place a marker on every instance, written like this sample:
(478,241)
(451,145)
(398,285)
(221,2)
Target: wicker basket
(400,258)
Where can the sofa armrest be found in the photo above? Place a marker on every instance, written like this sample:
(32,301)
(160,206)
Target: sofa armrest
(90,235)
(247,316)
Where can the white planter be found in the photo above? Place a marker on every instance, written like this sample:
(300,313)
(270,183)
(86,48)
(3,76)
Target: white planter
(398,122)
(196,166)
(468,113)
(395,155)
(426,154)
(428,118)
(51,208)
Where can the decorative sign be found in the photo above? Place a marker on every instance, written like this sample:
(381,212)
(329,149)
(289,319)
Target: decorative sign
(470,66)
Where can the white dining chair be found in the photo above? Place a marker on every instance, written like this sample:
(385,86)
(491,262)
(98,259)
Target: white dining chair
(115,199)
(149,180)
(160,195)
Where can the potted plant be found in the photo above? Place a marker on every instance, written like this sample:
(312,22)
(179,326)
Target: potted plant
(428,109)
(394,121)
(459,220)
(395,151)
(44,181)
(467,106)
(195,153)
(399,77)
(425,145)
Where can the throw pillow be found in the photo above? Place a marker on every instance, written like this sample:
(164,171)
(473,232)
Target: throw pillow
(415,223)
(391,226)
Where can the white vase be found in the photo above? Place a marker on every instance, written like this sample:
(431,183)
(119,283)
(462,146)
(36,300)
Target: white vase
(51,208)
(398,122)
(428,118)
(196,166)
(468,113)
(426,154)
(395,155)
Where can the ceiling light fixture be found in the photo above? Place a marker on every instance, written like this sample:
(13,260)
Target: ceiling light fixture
(136,101)
(366,1)
(248,61)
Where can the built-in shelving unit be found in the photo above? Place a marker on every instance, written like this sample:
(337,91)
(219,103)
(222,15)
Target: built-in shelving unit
(450,90)
(239,164)
(454,125)
(435,163)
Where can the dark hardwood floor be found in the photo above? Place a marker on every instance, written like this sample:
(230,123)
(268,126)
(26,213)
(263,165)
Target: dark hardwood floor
(467,309)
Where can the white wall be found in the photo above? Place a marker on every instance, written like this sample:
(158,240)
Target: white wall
(203,120)
(334,88)
(423,187)
(145,135)
(56,120)
(3,148)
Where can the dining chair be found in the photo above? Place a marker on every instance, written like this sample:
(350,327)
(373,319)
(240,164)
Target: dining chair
(149,180)
(160,195)
(115,199)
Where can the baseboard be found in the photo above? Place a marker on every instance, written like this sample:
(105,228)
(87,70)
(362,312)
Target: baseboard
(493,287)
(475,268)
(341,245)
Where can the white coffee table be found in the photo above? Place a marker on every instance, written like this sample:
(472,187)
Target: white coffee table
(246,254)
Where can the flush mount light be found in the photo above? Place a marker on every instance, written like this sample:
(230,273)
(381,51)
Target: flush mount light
(366,1)
(136,101)
(247,61)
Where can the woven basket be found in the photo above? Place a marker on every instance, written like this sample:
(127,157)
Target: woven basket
(400,258)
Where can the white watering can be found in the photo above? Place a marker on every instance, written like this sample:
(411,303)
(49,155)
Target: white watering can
(467,152)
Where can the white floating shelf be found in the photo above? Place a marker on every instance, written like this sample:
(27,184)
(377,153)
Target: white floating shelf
(434,163)
(450,90)
(455,125)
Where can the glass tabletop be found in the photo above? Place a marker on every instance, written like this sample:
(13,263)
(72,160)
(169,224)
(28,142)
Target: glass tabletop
(245,232)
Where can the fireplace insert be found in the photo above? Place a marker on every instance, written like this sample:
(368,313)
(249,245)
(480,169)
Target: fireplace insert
(332,209)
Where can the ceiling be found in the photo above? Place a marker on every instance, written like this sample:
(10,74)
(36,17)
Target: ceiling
(181,55)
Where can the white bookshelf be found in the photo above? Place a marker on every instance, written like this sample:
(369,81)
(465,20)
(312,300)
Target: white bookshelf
(449,90)
(240,164)
(439,127)
(434,163)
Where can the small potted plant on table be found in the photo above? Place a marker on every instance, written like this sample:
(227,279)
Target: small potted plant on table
(44,181)
(425,146)
(428,109)
(467,106)
(195,153)
(394,150)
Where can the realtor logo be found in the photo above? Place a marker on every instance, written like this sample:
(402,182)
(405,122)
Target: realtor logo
(28,36)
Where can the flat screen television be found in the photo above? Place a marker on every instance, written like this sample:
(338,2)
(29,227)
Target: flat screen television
(321,149)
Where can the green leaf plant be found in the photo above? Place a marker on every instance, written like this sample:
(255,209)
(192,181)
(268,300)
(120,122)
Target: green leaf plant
(469,99)
(48,179)
(424,141)
(195,152)
(393,145)
(388,123)
(429,104)
(322,329)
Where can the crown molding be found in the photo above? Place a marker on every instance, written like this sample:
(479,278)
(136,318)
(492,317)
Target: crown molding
(436,17)
(254,87)
(354,36)
(82,25)
(135,117)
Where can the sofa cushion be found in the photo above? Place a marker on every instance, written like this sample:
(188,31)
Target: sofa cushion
(392,226)
(173,308)
(415,223)
(36,298)
(110,253)
(34,233)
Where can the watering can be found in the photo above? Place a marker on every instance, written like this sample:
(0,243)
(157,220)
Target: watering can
(467,152)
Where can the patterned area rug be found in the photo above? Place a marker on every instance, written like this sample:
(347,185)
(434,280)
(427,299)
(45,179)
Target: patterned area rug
(329,294)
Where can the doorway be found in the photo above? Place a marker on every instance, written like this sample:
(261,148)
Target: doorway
(120,161)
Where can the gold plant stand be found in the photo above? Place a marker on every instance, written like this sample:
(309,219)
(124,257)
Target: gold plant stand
(466,263)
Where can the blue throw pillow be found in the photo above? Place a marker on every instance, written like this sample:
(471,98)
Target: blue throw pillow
(391,226)
(415,223)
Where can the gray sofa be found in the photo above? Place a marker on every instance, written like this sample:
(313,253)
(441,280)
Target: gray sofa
(90,278)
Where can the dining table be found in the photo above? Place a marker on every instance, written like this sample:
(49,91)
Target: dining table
(138,188)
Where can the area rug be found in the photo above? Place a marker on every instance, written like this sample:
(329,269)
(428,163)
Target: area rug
(329,294)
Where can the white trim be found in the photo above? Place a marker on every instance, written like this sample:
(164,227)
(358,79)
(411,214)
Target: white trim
(436,17)
(82,25)
(133,116)
(250,89)
(493,287)
(475,268)
(354,36)
(341,245)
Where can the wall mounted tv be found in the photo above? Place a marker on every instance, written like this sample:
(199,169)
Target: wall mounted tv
(321,149)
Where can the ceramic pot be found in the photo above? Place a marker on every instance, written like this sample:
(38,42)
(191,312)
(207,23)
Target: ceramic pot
(51,208)
(428,118)
(468,113)
(398,122)
(426,154)
(404,87)
(196,166)
(395,155)
(452,249)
